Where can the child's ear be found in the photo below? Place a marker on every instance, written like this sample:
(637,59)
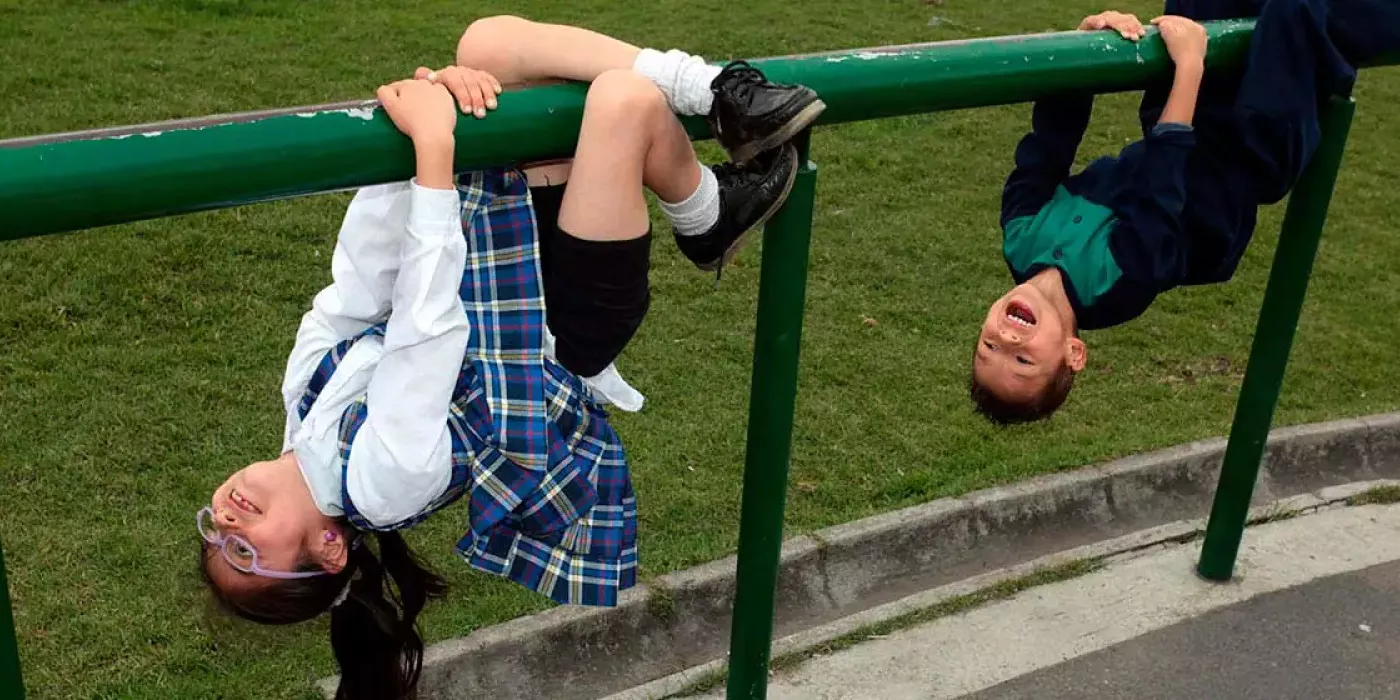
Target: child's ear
(332,551)
(1078,354)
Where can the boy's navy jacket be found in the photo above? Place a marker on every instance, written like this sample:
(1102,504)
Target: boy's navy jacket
(1115,230)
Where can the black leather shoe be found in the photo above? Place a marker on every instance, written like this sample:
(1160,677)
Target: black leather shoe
(748,195)
(751,115)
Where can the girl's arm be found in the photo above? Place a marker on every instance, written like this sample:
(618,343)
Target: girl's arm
(401,456)
(364,266)
(364,270)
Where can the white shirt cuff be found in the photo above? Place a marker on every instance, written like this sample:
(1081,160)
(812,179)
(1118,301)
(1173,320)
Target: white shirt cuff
(433,207)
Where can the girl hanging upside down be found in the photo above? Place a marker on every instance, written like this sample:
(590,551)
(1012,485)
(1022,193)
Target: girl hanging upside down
(465,347)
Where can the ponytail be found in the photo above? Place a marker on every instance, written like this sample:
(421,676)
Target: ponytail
(374,631)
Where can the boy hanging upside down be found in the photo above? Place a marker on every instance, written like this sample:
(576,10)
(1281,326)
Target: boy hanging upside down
(1093,250)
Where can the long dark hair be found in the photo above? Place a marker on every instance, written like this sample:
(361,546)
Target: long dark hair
(374,631)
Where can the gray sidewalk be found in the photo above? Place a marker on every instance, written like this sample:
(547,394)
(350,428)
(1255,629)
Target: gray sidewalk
(1314,613)
(1335,638)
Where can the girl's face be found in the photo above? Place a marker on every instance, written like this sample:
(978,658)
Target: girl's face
(269,505)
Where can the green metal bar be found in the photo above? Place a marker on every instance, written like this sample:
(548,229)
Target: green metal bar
(11,683)
(772,401)
(1273,339)
(73,181)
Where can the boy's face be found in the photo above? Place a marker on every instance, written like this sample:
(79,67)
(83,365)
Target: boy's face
(1023,343)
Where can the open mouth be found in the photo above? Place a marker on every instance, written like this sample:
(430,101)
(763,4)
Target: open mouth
(242,503)
(1020,313)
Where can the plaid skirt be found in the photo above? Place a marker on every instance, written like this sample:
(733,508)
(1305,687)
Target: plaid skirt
(550,497)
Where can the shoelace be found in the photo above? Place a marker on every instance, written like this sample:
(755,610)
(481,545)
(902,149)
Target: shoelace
(729,170)
(742,78)
(719,270)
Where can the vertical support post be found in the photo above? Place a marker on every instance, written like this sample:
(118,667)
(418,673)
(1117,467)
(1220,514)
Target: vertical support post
(772,401)
(1273,338)
(11,683)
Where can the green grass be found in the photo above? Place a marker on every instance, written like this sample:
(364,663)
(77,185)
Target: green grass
(1379,495)
(140,364)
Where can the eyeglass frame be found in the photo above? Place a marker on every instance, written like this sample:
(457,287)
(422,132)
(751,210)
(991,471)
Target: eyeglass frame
(221,541)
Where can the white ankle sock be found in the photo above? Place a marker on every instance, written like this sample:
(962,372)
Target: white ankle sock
(684,79)
(698,212)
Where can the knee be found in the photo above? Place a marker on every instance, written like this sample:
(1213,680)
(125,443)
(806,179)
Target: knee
(488,39)
(622,95)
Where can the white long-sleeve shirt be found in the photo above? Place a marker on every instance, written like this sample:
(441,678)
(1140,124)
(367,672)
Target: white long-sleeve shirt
(399,257)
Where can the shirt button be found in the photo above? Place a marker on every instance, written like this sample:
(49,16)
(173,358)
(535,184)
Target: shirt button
(1059,254)
(1078,219)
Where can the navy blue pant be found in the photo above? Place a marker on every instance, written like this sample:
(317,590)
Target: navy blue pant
(1257,128)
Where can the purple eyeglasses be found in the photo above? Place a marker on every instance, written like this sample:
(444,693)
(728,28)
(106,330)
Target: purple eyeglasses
(238,552)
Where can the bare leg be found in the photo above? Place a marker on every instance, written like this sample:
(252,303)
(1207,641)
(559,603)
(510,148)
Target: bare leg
(517,50)
(597,289)
(629,140)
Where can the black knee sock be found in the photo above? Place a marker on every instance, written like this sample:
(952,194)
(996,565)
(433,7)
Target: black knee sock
(596,295)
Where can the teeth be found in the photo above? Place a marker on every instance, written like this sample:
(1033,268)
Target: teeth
(239,499)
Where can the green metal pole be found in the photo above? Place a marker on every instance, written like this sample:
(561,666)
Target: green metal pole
(71,181)
(1273,338)
(772,401)
(11,684)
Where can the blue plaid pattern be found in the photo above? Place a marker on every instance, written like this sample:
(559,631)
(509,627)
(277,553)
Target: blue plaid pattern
(551,505)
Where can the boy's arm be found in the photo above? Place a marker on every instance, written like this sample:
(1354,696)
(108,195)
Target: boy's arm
(1045,155)
(1186,41)
(1149,207)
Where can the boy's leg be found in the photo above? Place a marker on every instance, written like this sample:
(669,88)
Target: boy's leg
(1257,128)
(1292,66)
(1264,119)
(1365,30)
(630,141)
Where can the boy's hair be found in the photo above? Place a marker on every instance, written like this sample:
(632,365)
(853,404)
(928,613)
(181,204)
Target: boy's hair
(374,633)
(1039,407)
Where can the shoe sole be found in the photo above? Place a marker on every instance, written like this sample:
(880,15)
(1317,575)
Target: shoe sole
(747,152)
(744,237)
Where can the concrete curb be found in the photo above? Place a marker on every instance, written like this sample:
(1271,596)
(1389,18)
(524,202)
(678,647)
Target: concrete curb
(792,658)
(682,627)
(1117,549)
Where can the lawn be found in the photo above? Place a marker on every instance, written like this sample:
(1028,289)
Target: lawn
(140,364)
